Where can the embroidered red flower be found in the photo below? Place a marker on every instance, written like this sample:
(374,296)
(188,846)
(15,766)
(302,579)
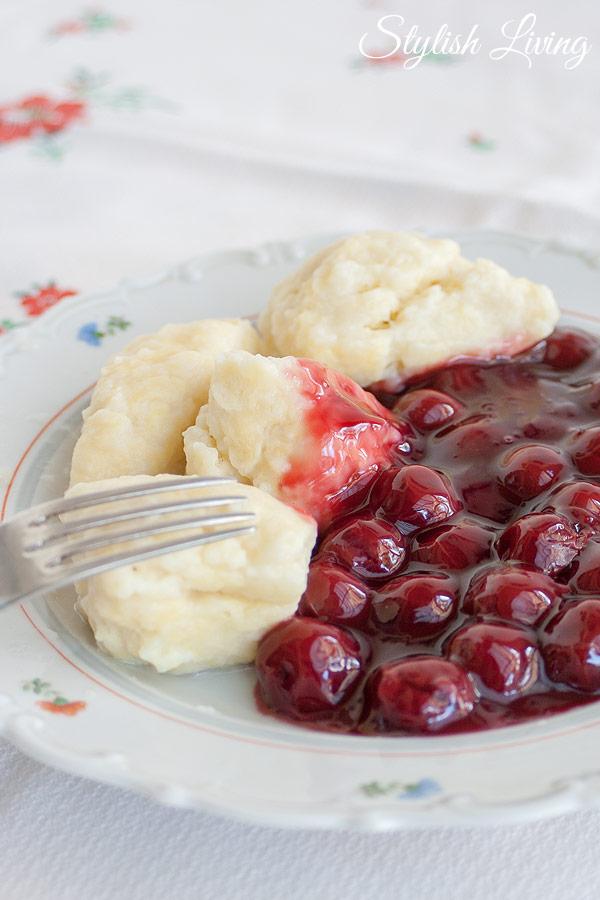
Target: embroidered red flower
(91,22)
(59,705)
(38,300)
(37,115)
(72,26)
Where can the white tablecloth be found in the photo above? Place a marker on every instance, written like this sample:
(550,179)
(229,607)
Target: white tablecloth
(147,132)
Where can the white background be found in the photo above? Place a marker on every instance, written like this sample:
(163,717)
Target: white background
(255,123)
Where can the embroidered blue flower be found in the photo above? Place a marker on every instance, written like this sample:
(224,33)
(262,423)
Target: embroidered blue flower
(90,334)
(93,335)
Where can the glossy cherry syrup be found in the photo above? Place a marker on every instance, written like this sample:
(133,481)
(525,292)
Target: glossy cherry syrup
(456,582)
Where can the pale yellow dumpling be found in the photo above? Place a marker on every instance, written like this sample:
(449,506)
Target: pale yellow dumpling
(149,394)
(206,606)
(383,306)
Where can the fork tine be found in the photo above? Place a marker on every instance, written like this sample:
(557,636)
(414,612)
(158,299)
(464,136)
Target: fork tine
(104,539)
(66,529)
(56,507)
(68,573)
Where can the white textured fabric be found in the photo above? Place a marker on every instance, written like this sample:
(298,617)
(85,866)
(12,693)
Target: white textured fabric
(212,124)
(67,839)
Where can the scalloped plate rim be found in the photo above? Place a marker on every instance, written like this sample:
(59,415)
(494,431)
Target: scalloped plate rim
(451,809)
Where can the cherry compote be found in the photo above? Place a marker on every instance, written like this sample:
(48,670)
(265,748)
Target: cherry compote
(459,588)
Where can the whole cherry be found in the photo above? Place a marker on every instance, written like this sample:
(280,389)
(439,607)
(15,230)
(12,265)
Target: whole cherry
(568,349)
(454,547)
(420,694)
(586,452)
(515,593)
(504,658)
(426,409)
(334,595)
(415,607)
(579,502)
(571,646)
(307,668)
(414,497)
(528,471)
(370,548)
(546,541)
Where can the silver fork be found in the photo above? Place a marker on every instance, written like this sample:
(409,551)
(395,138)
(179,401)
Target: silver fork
(40,552)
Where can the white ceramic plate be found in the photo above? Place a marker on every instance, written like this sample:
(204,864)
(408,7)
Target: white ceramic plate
(198,741)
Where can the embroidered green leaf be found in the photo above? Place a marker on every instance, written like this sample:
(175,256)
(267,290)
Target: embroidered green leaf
(99,21)
(115,324)
(10,324)
(49,147)
(478,142)
(96,87)
(36,685)
(377,789)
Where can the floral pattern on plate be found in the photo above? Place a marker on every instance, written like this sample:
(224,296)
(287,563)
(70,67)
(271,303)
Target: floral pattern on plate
(54,701)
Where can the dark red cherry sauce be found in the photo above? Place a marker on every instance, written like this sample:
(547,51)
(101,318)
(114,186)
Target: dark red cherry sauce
(459,588)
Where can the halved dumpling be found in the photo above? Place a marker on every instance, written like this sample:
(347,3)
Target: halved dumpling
(294,428)
(149,394)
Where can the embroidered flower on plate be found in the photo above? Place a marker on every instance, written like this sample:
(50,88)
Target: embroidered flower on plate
(92,334)
(425,787)
(55,703)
